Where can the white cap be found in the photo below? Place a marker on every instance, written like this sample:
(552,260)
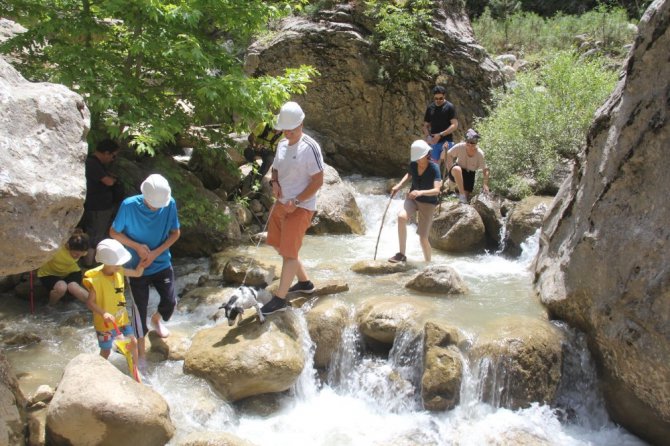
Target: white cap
(290,116)
(156,191)
(111,252)
(420,148)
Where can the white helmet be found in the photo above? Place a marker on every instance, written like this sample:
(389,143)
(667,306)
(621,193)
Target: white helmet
(156,191)
(420,148)
(290,116)
(111,252)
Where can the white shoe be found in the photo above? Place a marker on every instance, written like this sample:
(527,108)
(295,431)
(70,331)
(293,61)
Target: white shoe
(160,329)
(462,199)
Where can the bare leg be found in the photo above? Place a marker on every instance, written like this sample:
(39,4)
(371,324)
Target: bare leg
(141,354)
(288,271)
(457,173)
(77,291)
(425,247)
(402,231)
(57,292)
(302,274)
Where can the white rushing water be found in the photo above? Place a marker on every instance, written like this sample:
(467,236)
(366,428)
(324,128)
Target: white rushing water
(363,399)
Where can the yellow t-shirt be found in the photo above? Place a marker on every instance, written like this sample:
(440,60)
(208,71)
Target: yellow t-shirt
(61,264)
(108,295)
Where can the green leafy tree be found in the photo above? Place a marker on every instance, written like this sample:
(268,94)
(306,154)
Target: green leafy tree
(503,10)
(150,69)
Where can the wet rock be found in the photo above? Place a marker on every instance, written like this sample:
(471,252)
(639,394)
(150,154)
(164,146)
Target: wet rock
(261,405)
(44,133)
(336,209)
(326,321)
(214,439)
(44,393)
(37,424)
(521,359)
(250,358)
(12,405)
(204,296)
(93,414)
(20,338)
(442,367)
(457,228)
(379,267)
(382,319)
(172,348)
(248,271)
(439,279)
(489,209)
(525,219)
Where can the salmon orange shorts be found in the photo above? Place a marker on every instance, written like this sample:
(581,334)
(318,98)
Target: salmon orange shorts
(286,230)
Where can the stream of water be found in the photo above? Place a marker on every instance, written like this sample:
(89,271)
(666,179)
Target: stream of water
(353,404)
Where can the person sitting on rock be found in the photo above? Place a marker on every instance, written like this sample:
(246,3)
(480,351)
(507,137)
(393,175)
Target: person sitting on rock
(469,158)
(106,297)
(62,274)
(422,199)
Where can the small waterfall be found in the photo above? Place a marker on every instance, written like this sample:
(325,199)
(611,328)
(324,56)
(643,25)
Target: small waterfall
(346,357)
(306,385)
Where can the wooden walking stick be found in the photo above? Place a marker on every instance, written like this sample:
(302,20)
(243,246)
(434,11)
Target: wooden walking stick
(382,225)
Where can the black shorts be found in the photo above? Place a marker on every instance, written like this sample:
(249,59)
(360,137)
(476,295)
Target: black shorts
(468,178)
(50,281)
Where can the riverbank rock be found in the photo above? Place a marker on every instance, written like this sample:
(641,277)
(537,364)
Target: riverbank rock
(214,439)
(525,219)
(44,133)
(442,367)
(12,406)
(172,348)
(520,360)
(372,115)
(96,404)
(380,267)
(248,359)
(249,271)
(604,263)
(438,279)
(488,209)
(336,208)
(326,322)
(381,319)
(457,228)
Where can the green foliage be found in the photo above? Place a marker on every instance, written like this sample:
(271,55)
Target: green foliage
(402,38)
(542,121)
(529,33)
(150,69)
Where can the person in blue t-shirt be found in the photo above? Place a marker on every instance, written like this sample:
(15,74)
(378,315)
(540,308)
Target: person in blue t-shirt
(148,225)
(422,198)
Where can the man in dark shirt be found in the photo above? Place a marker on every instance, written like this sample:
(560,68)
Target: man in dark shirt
(439,123)
(100,203)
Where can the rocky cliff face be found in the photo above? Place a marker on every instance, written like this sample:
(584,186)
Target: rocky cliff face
(43,130)
(365,124)
(604,262)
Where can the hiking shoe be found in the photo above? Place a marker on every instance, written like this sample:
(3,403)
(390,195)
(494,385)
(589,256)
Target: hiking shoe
(276,304)
(398,258)
(462,199)
(306,287)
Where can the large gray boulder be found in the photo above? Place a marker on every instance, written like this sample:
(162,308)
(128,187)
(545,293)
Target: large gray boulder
(442,367)
(96,404)
(249,359)
(524,220)
(364,121)
(457,228)
(604,262)
(326,322)
(336,209)
(42,183)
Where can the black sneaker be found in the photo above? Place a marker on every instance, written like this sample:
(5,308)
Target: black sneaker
(276,304)
(398,258)
(306,287)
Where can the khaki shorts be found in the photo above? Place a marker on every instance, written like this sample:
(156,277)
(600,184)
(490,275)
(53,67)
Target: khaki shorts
(425,211)
(286,230)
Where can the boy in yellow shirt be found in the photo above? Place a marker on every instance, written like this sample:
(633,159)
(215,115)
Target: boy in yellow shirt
(106,299)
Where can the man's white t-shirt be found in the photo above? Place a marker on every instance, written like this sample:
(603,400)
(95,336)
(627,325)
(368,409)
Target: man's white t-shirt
(295,166)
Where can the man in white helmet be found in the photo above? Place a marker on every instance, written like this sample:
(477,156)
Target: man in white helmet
(148,226)
(421,199)
(297,174)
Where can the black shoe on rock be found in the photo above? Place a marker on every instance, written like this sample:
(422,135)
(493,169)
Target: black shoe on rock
(398,258)
(306,287)
(276,304)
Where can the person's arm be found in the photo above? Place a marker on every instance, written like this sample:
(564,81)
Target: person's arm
(137,272)
(141,249)
(451,129)
(426,129)
(315,183)
(172,238)
(398,186)
(108,180)
(274,183)
(427,192)
(95,308)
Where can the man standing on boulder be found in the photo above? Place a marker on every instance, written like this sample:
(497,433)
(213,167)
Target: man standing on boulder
(439,123)
(297,175)
(148,225)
